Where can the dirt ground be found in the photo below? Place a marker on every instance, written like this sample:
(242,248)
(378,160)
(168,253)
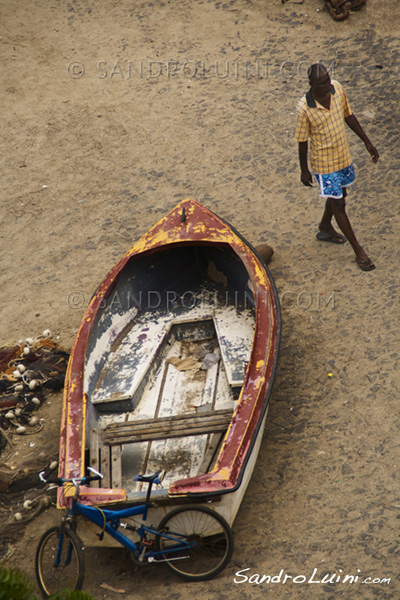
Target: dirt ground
(112,112)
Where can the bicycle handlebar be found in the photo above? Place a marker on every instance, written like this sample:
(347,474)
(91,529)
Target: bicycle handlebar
(60,481)
(156,478)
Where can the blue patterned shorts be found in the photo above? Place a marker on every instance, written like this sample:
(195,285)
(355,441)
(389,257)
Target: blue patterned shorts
(331,184)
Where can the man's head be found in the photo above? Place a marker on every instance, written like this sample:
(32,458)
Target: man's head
(319,79)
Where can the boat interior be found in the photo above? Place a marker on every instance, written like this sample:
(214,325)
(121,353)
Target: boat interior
(165,363)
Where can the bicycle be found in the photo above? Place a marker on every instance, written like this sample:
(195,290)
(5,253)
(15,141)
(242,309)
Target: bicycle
(193,541)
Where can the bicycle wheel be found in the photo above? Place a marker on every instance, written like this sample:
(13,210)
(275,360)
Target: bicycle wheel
(69,572)
(213,537)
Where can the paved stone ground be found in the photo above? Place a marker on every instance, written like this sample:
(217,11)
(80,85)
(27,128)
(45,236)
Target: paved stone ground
(116,150)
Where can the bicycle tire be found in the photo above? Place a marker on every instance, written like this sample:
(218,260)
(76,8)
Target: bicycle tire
(53,579)
(212,534)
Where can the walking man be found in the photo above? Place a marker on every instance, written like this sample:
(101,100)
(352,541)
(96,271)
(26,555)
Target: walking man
(321,117)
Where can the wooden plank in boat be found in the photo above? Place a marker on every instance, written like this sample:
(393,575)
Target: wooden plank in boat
(210,388)
(116,477)
(212,446)
(105,465)
(235,331)
(94,449)
(127,365)
(185,393)
(224,398)
(167,427)
(152,398)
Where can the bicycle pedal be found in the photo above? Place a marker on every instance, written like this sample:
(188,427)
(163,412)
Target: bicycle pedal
(147,542)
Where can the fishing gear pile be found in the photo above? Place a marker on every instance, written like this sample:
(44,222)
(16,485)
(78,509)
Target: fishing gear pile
(28,371)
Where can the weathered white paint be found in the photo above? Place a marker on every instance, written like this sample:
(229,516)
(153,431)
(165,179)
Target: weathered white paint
(169,391)
(104,342)
(235,330)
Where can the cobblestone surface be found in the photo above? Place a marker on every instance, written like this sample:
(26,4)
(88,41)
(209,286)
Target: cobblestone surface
(197,99)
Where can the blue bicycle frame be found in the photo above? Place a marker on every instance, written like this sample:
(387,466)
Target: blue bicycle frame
(110,520)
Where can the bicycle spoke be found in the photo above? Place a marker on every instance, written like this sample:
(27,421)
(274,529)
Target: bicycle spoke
(59,566)
(211,538)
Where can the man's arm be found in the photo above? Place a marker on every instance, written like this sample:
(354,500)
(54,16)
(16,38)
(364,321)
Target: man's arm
(355,126)
(306,177)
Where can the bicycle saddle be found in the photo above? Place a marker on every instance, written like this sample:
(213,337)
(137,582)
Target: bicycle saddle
(156,477)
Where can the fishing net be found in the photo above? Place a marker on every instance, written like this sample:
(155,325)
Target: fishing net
(28,372)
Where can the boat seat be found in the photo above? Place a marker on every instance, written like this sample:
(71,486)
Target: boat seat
(106,446)
(130,363)
(147,430)
(235,337)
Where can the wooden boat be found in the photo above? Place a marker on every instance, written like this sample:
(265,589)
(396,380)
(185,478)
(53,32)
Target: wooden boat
(173,366)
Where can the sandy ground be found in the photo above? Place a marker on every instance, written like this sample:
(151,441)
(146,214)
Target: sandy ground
(112,112)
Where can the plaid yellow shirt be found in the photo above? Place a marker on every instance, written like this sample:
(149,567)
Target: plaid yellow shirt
(329,148)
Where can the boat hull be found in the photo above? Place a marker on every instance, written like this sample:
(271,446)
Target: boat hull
(191,282)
